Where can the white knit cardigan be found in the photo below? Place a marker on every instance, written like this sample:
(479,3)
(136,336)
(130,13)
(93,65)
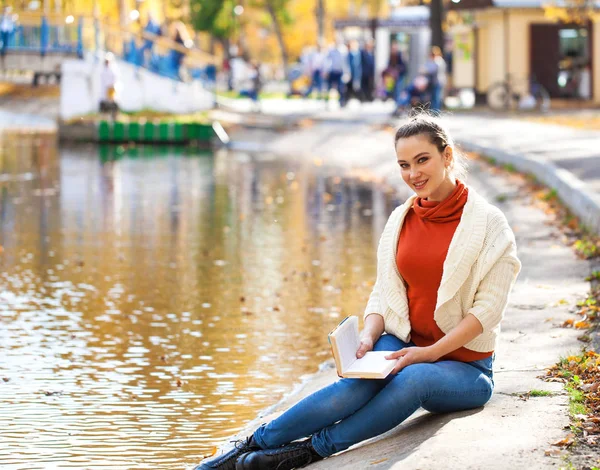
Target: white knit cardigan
(478,274)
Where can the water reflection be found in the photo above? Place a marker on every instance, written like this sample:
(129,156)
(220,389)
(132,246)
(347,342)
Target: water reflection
(153,301)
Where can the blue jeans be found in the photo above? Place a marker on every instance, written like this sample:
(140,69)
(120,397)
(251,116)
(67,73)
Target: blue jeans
(316,83)
(352,410)
(4,38)
(334,80)
(436,98)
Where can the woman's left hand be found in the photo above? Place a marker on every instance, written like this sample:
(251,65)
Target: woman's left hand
(412,355)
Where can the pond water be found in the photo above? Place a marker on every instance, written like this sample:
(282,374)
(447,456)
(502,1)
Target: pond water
(154,300)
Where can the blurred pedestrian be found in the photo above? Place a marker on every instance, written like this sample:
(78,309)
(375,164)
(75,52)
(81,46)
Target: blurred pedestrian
(436,71)
(315,68)
(107,88)
(367,83)
(254,87)
(177,53)
(335,68)
(354,78)
(7,28)
(396,69)
(152,31)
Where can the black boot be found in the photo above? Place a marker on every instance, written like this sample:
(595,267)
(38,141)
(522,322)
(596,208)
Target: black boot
(294,455)
(227,461)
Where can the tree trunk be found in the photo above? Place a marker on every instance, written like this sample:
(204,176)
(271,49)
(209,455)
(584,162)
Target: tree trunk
(435,23)
(123,13)
(320,12)
(279,34)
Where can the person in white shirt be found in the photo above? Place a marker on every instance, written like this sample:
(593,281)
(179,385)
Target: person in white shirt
(107,88)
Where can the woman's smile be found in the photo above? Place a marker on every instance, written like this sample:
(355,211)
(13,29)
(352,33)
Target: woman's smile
(420,184)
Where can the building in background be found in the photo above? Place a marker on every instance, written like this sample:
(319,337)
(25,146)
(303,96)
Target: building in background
(493,38)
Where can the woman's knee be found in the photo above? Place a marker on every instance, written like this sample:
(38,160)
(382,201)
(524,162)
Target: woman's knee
(448,400)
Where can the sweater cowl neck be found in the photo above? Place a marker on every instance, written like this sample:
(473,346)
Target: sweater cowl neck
(448,210)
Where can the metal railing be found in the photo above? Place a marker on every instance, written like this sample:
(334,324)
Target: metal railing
(57,34)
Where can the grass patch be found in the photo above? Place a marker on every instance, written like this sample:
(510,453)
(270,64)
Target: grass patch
(540,393)
(580,375)
(145,115)
(587,248)
(595,276)
(549,195)
(234,95)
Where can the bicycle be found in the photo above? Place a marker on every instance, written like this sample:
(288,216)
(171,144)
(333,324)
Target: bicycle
(509,95)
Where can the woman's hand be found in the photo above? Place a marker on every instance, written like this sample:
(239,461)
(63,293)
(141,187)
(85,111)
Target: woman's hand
(366,344)
(370,334)
(412,355)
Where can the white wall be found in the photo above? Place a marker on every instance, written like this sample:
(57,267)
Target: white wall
(463,61)
(136,89)
(596,62)
(382,52)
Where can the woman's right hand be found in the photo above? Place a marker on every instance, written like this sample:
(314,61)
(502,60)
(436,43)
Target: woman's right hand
(366,344)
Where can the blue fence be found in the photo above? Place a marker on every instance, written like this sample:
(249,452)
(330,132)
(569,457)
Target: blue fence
(68,39)
(45,39)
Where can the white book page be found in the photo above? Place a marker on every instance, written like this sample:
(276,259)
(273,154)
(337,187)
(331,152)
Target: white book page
(373,362)
(347,340)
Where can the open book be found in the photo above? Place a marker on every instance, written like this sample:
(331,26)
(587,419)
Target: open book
(344,342)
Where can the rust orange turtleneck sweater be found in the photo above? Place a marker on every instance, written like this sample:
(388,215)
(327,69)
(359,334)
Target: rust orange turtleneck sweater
(422,248)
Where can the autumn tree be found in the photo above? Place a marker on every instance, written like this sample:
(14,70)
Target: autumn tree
(280,19)
(573,11)
(216,18)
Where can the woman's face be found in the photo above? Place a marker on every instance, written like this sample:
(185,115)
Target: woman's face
(424,168)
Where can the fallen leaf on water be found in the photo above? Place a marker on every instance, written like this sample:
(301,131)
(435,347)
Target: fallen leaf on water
(179,383)
(213,451)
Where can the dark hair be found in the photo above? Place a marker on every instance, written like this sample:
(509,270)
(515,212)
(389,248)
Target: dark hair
(428,125)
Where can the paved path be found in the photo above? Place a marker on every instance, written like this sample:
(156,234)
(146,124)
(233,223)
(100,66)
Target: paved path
(563,158)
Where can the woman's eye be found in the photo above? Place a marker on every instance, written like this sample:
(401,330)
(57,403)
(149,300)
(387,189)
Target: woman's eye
(423,160)
(404,166)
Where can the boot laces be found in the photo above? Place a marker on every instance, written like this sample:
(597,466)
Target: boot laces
(299,456)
